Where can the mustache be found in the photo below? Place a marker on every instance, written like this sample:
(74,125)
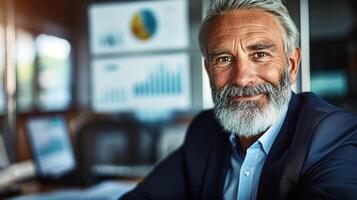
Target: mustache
(269,89)
(233,90)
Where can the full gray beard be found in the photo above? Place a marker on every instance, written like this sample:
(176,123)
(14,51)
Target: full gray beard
(251,118)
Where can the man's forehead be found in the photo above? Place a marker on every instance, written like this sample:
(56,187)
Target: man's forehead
(252,26)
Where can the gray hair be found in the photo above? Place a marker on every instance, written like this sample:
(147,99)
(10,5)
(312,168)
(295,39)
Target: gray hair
(274,7)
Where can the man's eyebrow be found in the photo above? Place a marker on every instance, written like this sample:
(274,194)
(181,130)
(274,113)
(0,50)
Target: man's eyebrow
(216,52)
(261,46)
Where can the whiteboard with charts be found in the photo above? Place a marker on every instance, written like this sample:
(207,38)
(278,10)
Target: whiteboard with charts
(159,82)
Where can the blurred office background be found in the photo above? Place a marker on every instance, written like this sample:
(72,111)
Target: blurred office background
(128,75)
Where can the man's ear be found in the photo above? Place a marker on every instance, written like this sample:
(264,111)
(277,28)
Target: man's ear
(294,60)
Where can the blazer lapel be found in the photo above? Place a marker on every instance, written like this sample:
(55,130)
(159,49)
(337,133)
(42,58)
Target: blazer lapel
(269,178)
(217,167)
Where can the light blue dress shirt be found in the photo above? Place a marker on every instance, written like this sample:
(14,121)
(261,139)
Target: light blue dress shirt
(242,179)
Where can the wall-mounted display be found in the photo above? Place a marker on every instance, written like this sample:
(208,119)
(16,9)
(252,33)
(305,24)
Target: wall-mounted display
(138,26)
(159,82)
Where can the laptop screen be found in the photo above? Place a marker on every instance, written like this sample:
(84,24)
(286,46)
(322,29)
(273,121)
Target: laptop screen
(4,159)
(51,146)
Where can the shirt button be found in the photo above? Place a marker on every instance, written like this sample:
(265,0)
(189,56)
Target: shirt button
(246,173)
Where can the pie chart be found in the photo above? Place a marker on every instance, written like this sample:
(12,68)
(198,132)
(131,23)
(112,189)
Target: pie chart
(144,25)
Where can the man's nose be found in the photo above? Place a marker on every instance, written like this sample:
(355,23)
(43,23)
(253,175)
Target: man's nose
(244,73)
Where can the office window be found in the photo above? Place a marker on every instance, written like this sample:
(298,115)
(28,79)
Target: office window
(333,51)
(43,72)
(2,66)
(54,73)
(25,56)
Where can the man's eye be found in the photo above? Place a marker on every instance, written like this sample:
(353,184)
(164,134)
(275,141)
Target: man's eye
(224,59)
(260,55)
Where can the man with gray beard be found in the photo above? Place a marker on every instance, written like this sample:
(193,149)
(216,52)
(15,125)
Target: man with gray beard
(261,140)
(248,118)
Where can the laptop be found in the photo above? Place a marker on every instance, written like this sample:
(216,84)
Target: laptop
(55,161)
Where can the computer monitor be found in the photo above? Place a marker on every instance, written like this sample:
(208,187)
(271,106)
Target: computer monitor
(50,143)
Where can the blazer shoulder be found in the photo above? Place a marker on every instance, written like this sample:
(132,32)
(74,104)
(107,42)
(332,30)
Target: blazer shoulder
(202,124)
(203,117)
(333,127)
(203,133)
(333,130)
(314,103)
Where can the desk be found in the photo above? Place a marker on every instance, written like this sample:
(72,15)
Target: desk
(35,186)
(18,180)
(112,189)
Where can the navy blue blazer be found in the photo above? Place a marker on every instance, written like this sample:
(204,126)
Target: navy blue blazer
(198,168)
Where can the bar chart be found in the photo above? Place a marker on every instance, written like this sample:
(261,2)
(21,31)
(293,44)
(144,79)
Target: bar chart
(141,83)
(160,82)
(113,95)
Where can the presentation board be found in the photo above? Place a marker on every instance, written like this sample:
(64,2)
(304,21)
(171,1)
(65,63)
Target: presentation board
(138,26)
(155,82)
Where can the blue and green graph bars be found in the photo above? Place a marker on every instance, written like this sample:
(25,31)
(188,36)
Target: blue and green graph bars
(160,82)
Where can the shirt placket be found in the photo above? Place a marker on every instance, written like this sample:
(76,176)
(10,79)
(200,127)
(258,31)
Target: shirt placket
(247,173)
